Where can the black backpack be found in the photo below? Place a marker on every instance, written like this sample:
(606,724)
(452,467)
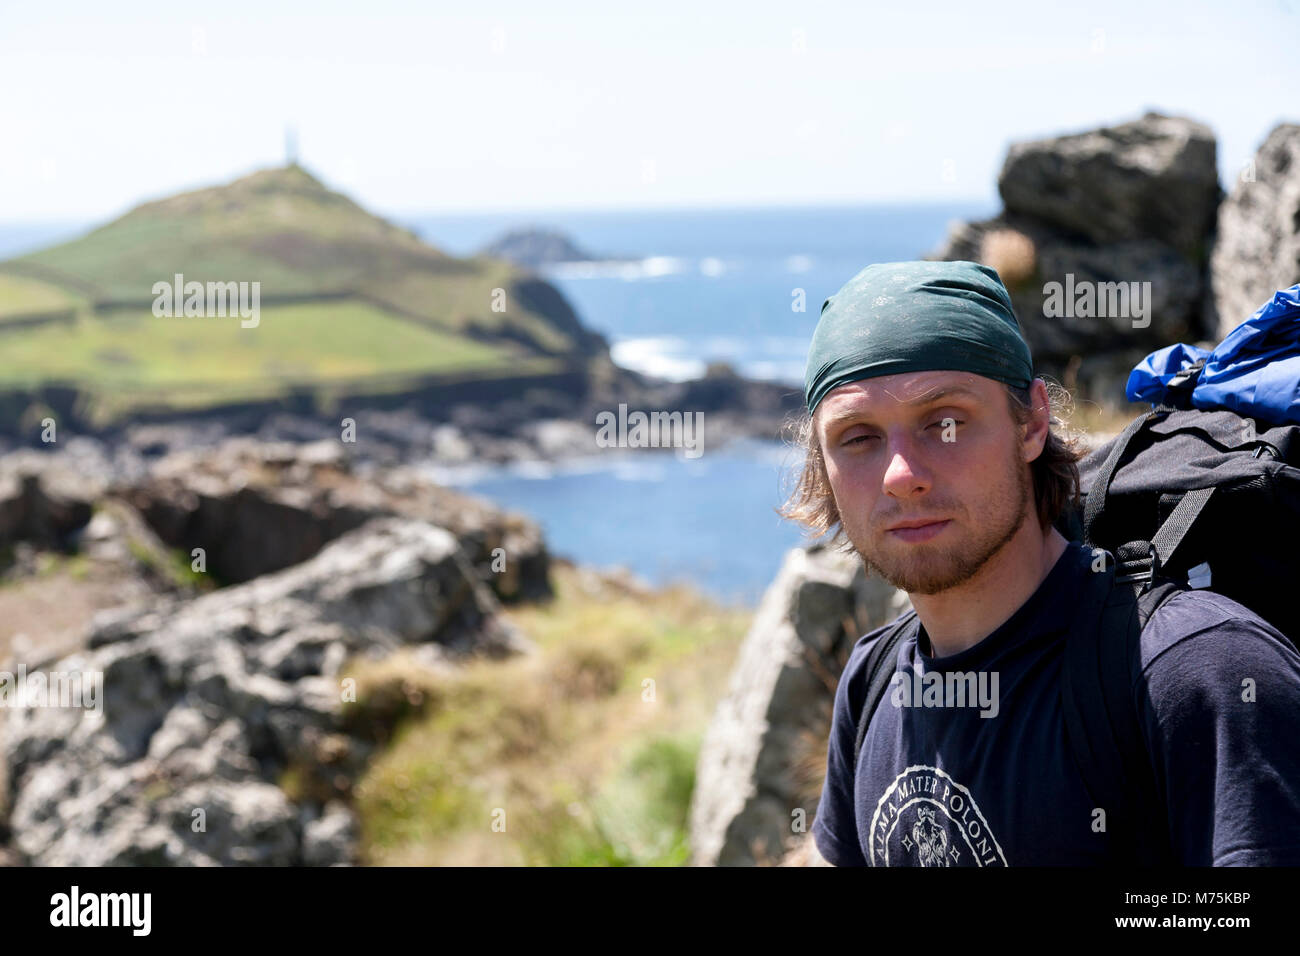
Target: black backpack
(1181,498)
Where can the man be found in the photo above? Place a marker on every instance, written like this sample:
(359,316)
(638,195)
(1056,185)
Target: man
(929,447)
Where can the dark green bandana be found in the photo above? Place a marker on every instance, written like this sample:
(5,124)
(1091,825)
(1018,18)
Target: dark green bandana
(914,317)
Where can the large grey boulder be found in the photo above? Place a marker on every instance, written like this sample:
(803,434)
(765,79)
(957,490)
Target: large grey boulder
(750,804)
(1171,300)
(256,507)
(1153,178)
(1103,245)
(42,499)
(206,704)
(1257,248)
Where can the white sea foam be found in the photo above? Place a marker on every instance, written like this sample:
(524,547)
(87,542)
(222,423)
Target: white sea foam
(790,371)
(473,473)
(664,356)
(773,358)
(629,270)
(642,470)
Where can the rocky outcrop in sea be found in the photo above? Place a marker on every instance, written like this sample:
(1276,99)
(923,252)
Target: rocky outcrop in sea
(535,246)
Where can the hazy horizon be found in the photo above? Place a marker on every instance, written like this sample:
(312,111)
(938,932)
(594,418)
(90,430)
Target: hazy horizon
(18,238)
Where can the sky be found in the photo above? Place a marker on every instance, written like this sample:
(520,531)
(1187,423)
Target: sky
(417,108)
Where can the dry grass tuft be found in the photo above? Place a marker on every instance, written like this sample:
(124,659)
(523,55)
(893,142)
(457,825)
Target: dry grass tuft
(1011,253)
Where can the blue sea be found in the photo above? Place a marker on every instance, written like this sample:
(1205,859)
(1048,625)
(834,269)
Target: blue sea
(693,287)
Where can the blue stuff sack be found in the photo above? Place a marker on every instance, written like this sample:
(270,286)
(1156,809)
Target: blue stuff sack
(1254,371)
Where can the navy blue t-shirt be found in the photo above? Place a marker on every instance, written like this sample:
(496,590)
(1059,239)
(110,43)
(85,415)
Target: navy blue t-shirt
(1219,702)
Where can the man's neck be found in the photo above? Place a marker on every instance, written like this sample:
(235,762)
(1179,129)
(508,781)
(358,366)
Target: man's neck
(963,616)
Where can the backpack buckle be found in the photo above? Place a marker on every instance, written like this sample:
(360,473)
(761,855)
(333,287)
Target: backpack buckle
(1178,390)
(1134,576)
(1137,569)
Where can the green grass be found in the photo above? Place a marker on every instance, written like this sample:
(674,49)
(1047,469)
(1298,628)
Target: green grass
(134,358)
(586,770)
(457,300)
(637,817)
(174,564)
(20,295)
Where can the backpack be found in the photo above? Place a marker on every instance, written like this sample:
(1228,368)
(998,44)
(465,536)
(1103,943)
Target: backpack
(1190,495)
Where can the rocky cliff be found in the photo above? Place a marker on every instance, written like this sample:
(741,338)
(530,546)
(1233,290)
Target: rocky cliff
(227,728)
(1257,246)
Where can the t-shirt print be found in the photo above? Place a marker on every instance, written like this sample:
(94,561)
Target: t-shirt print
(926,818)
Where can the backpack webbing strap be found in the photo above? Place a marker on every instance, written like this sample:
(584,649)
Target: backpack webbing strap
(1096,497)
(879,670)
(1176,526)
(1101,717)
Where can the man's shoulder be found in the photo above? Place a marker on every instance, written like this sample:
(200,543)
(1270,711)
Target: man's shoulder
(1201,627)
(1219,697)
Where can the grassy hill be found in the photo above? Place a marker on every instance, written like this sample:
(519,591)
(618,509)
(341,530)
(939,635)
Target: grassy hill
(348,301)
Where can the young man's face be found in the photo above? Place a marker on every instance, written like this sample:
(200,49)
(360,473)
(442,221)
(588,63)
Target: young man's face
(926,446)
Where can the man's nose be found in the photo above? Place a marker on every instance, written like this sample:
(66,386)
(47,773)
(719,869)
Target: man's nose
(906,475)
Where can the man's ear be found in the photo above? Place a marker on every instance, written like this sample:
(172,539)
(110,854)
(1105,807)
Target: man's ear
(1037,428)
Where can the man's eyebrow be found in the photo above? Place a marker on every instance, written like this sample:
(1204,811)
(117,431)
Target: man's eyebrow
(929,398)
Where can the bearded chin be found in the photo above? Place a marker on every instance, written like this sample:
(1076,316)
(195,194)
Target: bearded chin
(933,568)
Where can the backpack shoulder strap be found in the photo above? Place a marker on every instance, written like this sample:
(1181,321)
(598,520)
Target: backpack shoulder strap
(879,671)
(1101,718)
